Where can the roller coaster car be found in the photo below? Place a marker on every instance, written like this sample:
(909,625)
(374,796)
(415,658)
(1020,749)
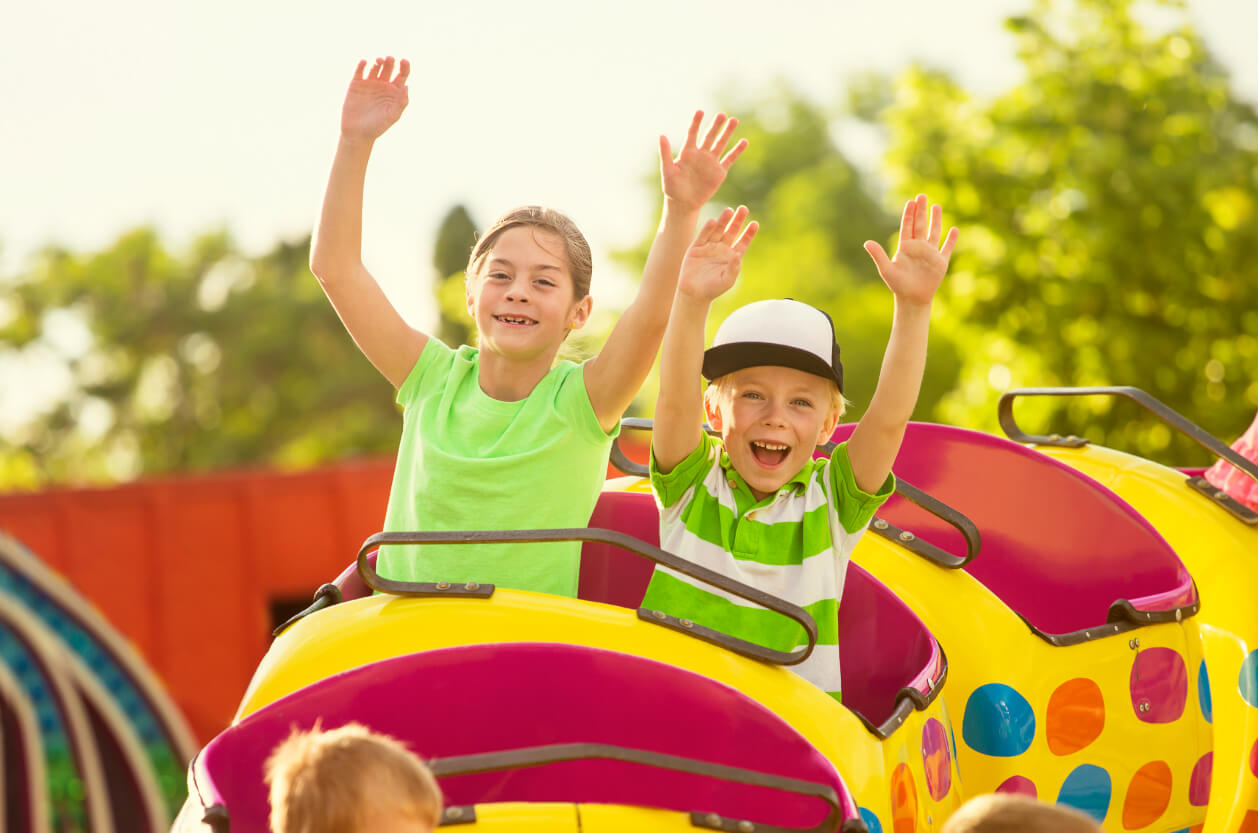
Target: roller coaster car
(1070,639)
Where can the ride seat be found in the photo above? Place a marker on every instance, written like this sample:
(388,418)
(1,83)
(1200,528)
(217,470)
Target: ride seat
(1065,553)
(479,699)
(884,647)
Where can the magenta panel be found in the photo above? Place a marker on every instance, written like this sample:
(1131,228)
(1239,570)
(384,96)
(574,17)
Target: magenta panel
(487,698)
(1058,547)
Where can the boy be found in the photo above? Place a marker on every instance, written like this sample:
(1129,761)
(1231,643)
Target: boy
(1017,814)
(755,506)
(350,780)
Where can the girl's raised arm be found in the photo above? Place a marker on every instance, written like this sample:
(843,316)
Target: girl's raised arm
(691,179)
(374,101)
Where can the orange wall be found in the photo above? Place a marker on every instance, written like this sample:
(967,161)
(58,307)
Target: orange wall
(187,567)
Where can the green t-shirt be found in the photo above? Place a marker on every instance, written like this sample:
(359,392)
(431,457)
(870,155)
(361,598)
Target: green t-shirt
(467,461)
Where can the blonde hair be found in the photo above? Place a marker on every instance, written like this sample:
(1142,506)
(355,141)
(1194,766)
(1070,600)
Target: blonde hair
(1017,814)
(723,386)
(333,781)
(576,248)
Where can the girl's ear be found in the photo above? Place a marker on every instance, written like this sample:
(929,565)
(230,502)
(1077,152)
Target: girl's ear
(580,314)
(469,295)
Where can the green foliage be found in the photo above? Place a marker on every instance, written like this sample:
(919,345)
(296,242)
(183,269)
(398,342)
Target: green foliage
(816,211)
(1108,207)
(455,237)
(193,361)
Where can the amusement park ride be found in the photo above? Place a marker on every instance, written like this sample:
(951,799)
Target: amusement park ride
(1034,615)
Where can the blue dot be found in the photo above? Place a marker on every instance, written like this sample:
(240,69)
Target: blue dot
(871,821)
(998,721)
(1087,790)
(1203,693)
(1249,679)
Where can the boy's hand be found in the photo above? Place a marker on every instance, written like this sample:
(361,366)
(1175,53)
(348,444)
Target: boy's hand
(918,267)
(694,176)
(375,99)
(713,260)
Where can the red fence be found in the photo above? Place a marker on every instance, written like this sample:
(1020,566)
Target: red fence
(195,571)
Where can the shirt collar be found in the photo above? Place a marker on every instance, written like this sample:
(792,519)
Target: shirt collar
(798,483)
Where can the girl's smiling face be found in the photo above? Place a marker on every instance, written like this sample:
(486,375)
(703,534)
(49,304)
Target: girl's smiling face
(771,420)
(522,300)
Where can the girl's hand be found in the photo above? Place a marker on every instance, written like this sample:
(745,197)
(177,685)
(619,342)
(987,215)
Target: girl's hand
(693,177)
(375,99)
(714,259)
(918,267)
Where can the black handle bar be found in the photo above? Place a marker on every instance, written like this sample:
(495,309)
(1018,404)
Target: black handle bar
(607,536)
(924,500)
(558,753)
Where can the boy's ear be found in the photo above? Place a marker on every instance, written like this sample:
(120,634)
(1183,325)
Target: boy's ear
(827,428)
(711,408)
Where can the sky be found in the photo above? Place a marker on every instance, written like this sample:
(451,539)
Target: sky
(197,116)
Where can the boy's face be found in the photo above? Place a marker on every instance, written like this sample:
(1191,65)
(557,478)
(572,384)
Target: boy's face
(771,420)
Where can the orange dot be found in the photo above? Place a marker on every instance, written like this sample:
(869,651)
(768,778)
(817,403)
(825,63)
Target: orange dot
(1250,823)
(1148,795)
(903,800)
(1075,716)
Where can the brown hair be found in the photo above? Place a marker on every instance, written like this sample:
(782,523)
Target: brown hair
(1017,814)
(576,249)
(333,781)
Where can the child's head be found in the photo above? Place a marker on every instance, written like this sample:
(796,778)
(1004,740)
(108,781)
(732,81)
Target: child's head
(528,281)
(1016,814)
(350,780)
(776,389)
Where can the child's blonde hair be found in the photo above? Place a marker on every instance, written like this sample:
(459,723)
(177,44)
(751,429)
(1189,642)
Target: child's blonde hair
(1017,814)
(333,781)
(576,248)
(721,386)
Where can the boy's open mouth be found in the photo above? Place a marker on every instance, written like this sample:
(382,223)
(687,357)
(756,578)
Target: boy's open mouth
(769,453)
(515,320)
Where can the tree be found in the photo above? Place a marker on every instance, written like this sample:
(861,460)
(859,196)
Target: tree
(1109,224)
(455,237)
(816,210)
(192,361)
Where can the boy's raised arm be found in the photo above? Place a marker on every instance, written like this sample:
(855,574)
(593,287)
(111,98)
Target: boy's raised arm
(691,179)
(913,275)
(374,101)
(709,269)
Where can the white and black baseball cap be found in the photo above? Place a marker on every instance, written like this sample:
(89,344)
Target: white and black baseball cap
(783,333)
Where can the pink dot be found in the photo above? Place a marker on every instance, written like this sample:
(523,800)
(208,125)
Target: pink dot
(1017,785)
(1253,759)
(1159,685)
(1199,781)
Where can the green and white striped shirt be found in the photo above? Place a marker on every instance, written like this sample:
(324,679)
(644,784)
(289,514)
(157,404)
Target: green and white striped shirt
(794,544)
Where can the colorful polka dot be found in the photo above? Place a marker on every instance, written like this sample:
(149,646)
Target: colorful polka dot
(1249,824)
(1249,679)
(1148,795)
(1253,759)
(1199,781)
(1159,685)
(1075,716)
(903,800)
(871,821)
(1018,785)
(1087,789)
(1203,693)
(936,760)
(998,721)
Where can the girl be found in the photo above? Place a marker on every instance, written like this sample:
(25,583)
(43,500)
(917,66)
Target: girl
(501,435)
